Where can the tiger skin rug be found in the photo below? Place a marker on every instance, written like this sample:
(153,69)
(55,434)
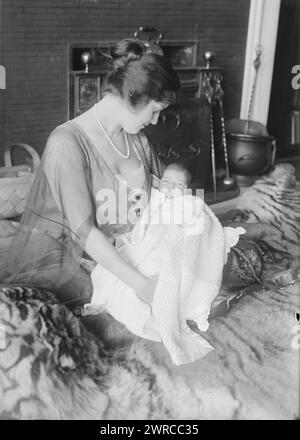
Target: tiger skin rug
(52,367)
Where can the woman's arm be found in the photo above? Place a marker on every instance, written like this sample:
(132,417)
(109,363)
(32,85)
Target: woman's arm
(104,253)
(67,172)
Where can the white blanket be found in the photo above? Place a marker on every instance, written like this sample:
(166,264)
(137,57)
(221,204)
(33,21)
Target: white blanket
(181,241)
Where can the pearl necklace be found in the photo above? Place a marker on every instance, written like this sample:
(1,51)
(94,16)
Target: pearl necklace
(126,155)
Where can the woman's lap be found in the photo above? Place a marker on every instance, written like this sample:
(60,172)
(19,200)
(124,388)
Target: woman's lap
(244,265)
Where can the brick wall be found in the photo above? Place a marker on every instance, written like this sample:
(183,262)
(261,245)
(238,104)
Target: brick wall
(35,38)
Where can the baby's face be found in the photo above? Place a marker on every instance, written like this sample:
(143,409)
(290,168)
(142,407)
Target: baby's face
(173,182)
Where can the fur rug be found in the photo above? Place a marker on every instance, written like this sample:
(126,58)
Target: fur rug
(51,367)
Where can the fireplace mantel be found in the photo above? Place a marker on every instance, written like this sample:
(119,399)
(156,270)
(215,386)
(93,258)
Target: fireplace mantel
(183,130)
(85,80)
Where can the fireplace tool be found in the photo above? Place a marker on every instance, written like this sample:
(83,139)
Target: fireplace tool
(208,91)
(228,181)
(214,94)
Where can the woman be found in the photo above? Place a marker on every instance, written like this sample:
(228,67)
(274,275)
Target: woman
(99,153)
(95,151)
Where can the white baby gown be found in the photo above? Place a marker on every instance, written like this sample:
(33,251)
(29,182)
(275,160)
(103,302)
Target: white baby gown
(181,241)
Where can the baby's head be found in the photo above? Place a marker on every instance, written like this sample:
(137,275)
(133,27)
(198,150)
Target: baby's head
(174,180)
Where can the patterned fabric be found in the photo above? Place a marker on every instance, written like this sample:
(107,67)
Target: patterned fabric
(244,266)
(242,274)
(274,199)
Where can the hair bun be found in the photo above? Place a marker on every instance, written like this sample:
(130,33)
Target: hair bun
(127,50)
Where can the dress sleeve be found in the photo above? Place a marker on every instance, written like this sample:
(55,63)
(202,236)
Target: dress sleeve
(47,248)
(69,178)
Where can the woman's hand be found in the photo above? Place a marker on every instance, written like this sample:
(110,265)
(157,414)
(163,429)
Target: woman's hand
(104,253)
(146,292)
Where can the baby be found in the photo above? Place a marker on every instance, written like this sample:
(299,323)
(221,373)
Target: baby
(171,210)
(162,209)
(177,241)
(175,180)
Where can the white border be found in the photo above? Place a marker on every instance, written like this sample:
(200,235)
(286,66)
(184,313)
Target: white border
(262,30)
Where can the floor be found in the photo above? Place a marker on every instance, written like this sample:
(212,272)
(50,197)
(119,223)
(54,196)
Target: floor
(221,207)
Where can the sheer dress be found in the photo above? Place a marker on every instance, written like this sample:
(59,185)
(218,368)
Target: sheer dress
(63,206)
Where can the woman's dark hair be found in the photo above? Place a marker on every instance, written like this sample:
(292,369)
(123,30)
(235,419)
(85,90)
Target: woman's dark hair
(138,76)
